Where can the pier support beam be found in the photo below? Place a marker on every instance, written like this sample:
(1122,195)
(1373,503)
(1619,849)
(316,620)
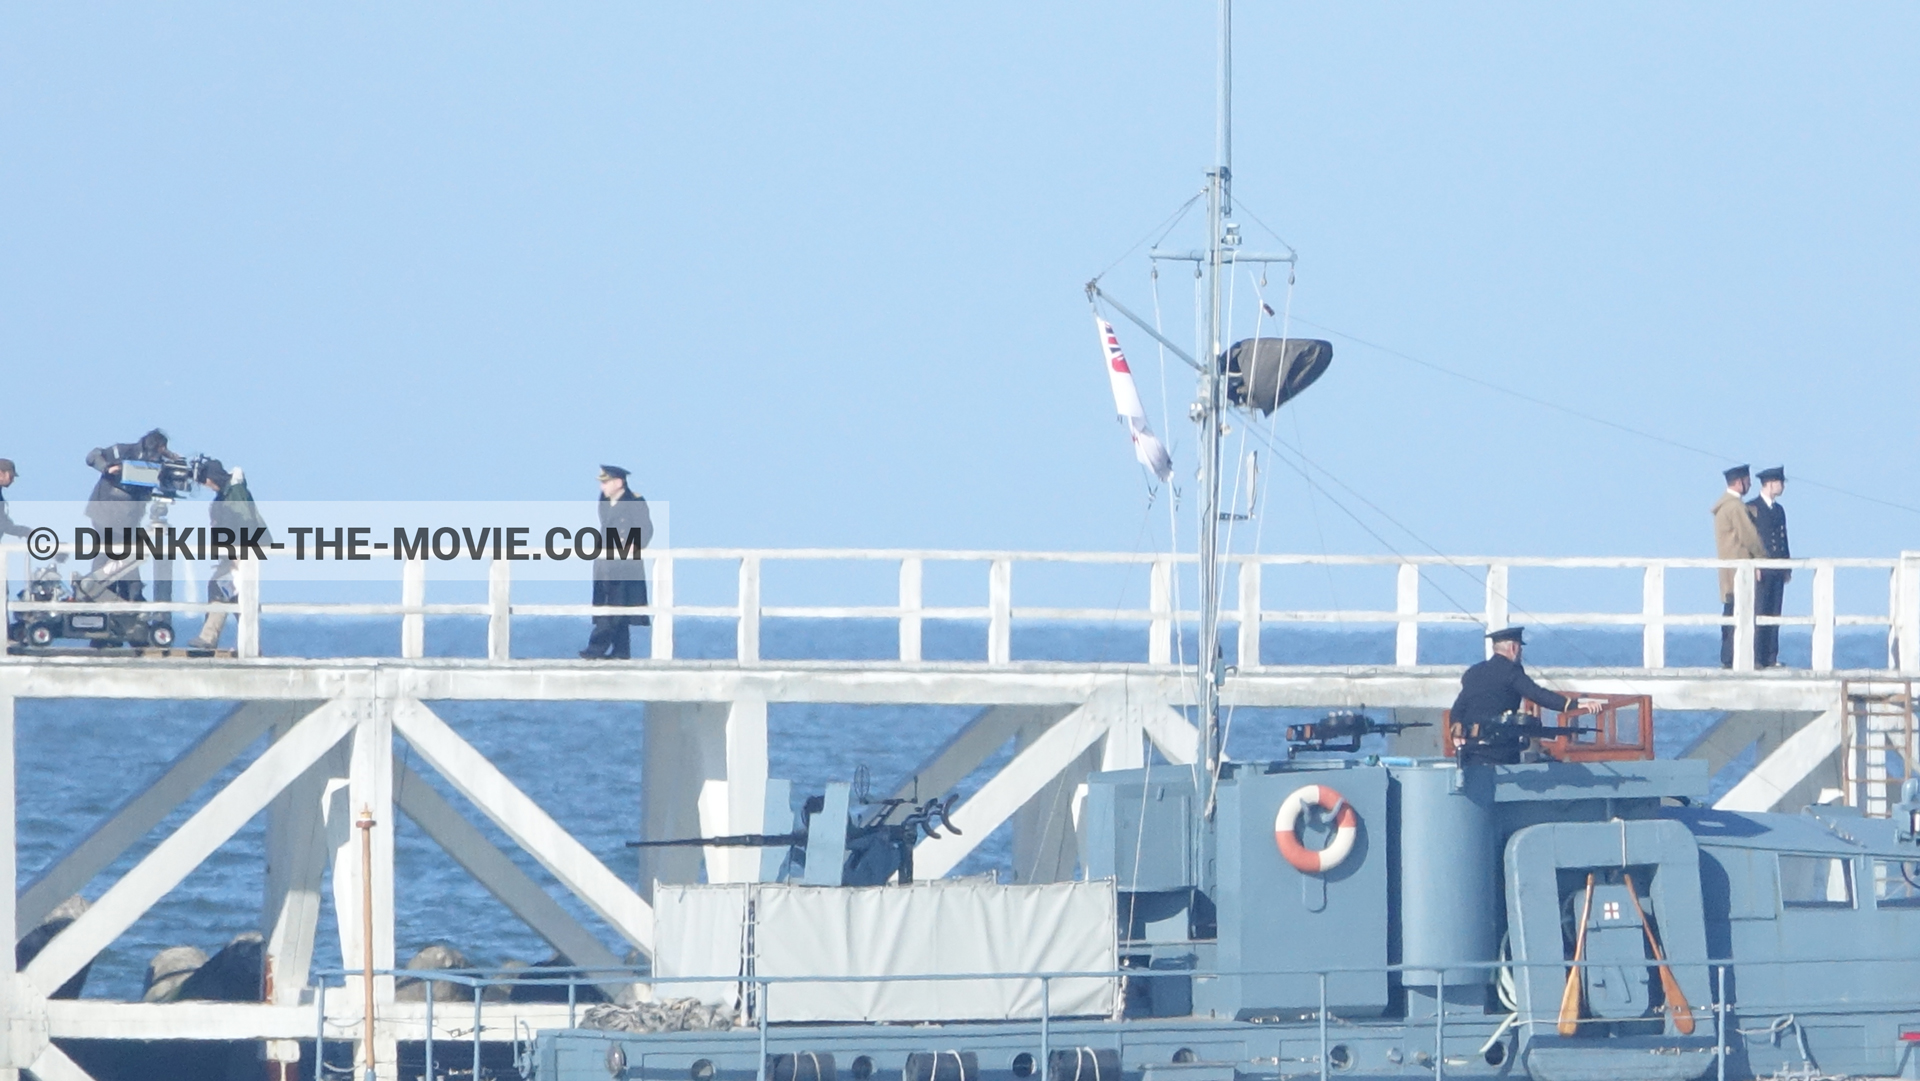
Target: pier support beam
(1044,848)
(530,827)
(1040,762)
(369,790)
(1802,764)
(495,870)
(1738,729)
(176,856)
(297,852)
(140,813)
(704,774)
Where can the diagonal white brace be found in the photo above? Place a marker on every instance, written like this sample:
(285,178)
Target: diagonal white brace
(136,817)
(482,783)
(54,1065)
(1015,784)
(489,866)
(196,839)
(1798,755)
(1172,734)
(974,743)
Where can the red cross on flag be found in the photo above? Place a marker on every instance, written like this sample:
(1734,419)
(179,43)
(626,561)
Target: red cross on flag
(1126,401)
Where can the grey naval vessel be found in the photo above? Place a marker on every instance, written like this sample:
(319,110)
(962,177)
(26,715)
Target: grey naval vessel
(1578,914)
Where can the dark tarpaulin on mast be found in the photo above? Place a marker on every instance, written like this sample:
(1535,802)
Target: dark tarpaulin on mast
(1266,373)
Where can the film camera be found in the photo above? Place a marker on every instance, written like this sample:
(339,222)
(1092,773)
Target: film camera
(169,479)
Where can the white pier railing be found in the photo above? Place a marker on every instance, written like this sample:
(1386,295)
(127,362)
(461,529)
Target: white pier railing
(1246,604)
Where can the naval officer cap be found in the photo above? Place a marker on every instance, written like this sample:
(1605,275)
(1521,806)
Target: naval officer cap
(612,472)
(1508,634)
(1738,472)
(1778,472)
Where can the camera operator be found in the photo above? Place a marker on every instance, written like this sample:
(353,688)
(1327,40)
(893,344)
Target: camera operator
(114,505)
(7,528)
(233,508)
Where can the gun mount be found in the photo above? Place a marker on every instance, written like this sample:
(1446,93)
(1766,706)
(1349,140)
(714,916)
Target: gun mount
(832,847)
(1342,731)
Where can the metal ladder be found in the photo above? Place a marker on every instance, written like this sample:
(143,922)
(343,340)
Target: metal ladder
(1880,732)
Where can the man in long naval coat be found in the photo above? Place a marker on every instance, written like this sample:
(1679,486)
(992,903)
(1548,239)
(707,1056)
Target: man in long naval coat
(1496,686)
(1770,520)
(1734,537)
(618,582)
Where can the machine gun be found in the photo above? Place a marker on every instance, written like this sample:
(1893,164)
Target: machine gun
(1506,739)
(832,848)
(1341,731)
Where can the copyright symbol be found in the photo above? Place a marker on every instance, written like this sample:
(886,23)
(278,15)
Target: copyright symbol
(43,543)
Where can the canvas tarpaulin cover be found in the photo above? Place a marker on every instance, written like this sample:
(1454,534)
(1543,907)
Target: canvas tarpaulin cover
(940,927)
(699,931)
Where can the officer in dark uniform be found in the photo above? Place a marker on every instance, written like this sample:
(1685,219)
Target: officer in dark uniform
(618,582)
(1493,688)
(1770,591)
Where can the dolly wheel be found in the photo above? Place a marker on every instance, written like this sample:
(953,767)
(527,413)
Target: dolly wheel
(39,635)
(161,635)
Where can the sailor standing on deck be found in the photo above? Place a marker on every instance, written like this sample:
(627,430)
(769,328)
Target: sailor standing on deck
(1734,537)
(1770,520)
(618,582)
(1493,688)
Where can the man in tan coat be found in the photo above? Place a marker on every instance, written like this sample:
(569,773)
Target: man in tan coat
(1734,537)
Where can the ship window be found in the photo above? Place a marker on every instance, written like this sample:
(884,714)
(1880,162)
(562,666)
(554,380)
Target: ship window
(1896,883)
(1816,882)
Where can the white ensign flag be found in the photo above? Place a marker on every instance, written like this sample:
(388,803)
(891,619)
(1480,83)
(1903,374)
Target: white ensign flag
(1126,401)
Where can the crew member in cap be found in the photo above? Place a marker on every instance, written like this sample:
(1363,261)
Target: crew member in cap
(7,528)
(233,508)
(618,582)
(1734,537)
(1770,520)
(1494,687)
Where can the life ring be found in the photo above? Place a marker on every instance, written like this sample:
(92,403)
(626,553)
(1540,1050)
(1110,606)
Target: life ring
(1346,829)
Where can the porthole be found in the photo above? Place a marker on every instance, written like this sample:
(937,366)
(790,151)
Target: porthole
(701,1070)
(1022,1065)
(861,1068)
(1340,1057)
(1185,1054)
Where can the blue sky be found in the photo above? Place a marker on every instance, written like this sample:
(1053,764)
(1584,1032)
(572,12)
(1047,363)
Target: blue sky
(815,272)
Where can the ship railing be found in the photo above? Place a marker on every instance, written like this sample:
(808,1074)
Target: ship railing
(754,988)
(1166,615)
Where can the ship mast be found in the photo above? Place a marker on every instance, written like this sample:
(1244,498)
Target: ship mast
(1209,411)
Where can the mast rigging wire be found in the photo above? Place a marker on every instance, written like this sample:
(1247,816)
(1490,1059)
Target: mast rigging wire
(1162,230)
(1628,429)
(1578,414)
(1512,608)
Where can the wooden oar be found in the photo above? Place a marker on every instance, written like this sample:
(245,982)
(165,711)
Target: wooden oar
(1676,999)
(1576,986)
